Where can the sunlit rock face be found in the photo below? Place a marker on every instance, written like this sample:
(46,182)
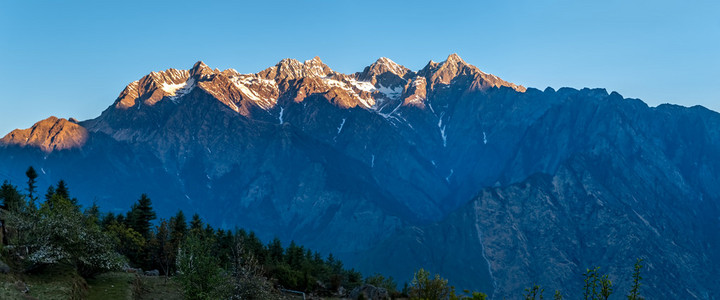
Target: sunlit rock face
(51,134)
(492,184)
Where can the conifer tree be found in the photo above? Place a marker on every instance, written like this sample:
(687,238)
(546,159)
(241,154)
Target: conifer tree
(141,216)
(196,223)
(11,199)
(62,189)
(13,202)
(275,250)
(161,249)
(108,219)
(49,193)
(178,226)
(32,185)
(93,214)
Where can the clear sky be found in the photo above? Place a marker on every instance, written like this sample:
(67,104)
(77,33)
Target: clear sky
(72,58)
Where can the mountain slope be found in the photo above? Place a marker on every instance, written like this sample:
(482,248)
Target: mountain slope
(449,168)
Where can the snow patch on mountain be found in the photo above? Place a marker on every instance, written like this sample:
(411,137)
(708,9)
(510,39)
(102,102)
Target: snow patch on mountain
(262,92)
(366,103)
(392,93)
(363,85)
(175,91)
(341,126)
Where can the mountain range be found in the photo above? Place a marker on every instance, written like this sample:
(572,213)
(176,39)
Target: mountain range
(492,184)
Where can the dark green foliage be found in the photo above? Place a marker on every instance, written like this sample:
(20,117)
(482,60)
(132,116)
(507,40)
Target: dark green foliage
(558,295)
(32,185)
(294,256)
(93,214)
(140,216)
(162,252)
(354,279)
(12,200)
(50,192)
(379,280)
(275,251)
(14,204)
(424,286)
(107,219)
(179,226)
(224,248)
(200,275)
(62,190)
(196,223)
(635,290)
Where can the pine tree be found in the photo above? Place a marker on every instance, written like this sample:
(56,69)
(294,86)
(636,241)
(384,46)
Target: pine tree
(161,248)
(178,225)
(107,220)
(141,216)
(50,192)
(209,231)
(11,199)
(62,190)
(178,232)
(93,214)
(275,250)
(196,224)
(294,255)
(13,202)
(32,185)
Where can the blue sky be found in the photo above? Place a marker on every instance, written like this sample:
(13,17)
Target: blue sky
(73,59)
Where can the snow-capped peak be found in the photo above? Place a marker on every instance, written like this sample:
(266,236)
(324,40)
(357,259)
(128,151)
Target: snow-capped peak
(381,66)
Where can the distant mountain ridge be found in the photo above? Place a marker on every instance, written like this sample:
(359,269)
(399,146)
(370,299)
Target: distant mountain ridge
(449,168)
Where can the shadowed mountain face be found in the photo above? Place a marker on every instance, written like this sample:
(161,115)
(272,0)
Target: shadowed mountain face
(491,184)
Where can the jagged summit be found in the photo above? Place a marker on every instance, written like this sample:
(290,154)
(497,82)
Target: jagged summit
(454,58)
(289,69)
(200,69)
(383,79)
(381,66)
(454,67)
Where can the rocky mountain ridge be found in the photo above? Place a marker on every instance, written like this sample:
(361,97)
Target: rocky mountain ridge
(493,184)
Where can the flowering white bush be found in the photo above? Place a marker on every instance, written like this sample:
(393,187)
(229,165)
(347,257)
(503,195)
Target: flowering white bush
(59,233)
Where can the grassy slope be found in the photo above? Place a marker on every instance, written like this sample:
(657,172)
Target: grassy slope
(113,285)
(65,283)
(58,282)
